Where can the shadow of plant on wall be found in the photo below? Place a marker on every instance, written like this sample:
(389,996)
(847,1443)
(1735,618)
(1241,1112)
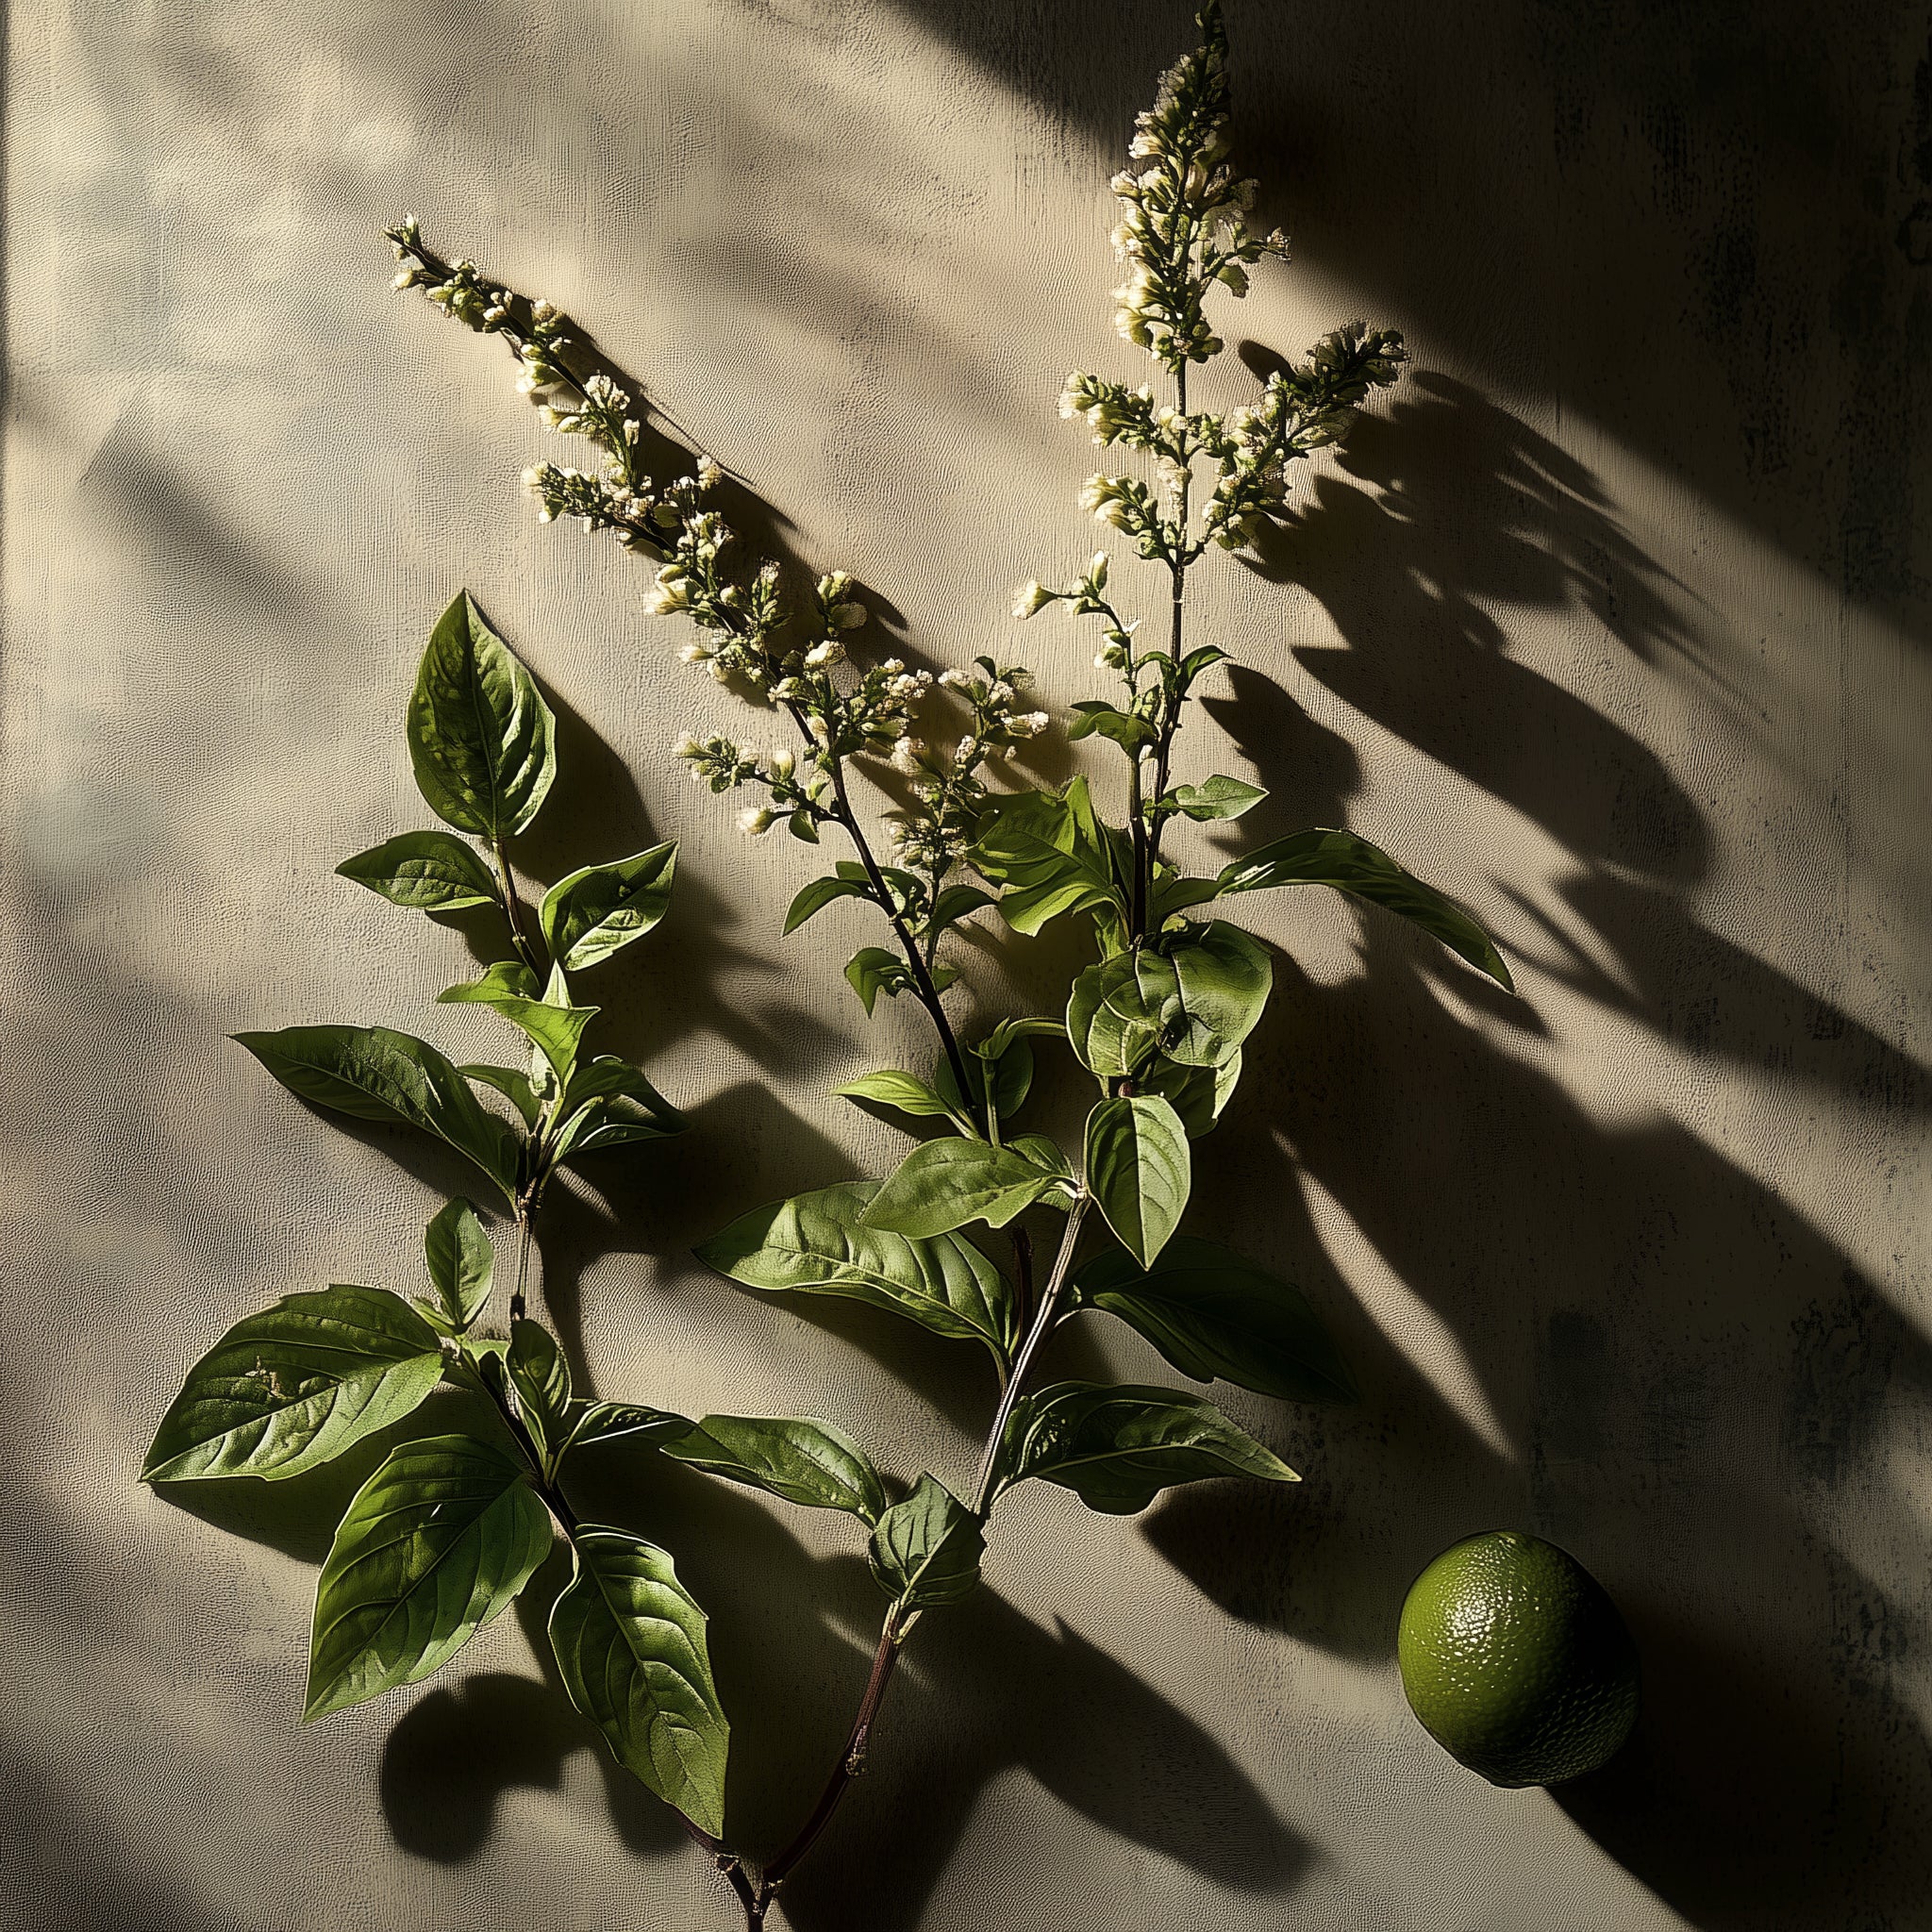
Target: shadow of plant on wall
(1621,1293)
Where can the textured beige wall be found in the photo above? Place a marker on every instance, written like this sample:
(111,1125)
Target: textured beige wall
(1614,622)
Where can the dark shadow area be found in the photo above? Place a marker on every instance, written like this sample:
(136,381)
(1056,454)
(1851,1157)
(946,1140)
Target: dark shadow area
(987,1690)
(983,1692)
(1704,228)
(1621,1295)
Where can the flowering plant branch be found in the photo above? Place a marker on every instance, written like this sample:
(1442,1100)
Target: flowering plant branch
(1156,1019)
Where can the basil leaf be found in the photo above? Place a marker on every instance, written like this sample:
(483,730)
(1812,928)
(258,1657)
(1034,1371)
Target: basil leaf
(904,1092)
(806,1462)
(557,1030)
(610,1104)
(596,910)
(817,1244)
(437,1543)
(613,1421)
(539,1376)
(481,739)
(376,1075)
(926,1550)
(1199,660)
(513,1083)
(1213,1314)
(1127,730)
(1118,1447)
(293,1386)
(629,1640)
(461,1260)
(819,893)
(1352,865)
(1217,797)
(1222,977)
(1138,1169)
(429,871)
(1048,850)
(943,1184)
(1197,1094)
(1172,894)
(1120,1010)
(1011,1067)
(957,903)
(873,971)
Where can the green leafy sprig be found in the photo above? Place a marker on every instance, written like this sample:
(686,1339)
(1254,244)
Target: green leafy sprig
(780,644)
(451,1527)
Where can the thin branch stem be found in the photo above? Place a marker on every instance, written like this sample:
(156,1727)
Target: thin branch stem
(1041,1326)
(851,1763)
(514,907)
(922,980)
(524,1240)
(892,1637)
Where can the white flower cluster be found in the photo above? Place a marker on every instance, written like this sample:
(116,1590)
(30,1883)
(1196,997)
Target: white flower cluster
(1182,228)
(723,766)
(933,833)
(1129,505)
(1085,597)
(1301,411)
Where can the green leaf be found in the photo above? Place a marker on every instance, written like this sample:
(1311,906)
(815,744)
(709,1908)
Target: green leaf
(802,826)
(1174,894)
(957,903)
(376,1075)
(873,971)
(1197,1094)
(943,1184)
(904,1092)
(513,1084)
(614,1422)
(822,892)
(1217,798)
(596,910)
(610,1104)
(903,888)
(806,1462)
(1352,865)
(429,871)
(559,1031)
(461,1260)
(1011,1067)
(629,1640)
(1118,1447)
(539,1376)
(1224,977)
(504,979)
(1048,852)
(1138,1169)
(481,738)
(926,1550)
(1213,1314)
(438,1542)
(295,1385)
(1199,660)
(1127,731)
(1120,1010)
(817,1244)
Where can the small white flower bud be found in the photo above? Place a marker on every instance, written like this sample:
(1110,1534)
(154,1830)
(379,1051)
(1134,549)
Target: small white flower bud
(756,821)
(1033,596)
(782,763)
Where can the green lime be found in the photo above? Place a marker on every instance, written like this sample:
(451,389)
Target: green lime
(1516,1660)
